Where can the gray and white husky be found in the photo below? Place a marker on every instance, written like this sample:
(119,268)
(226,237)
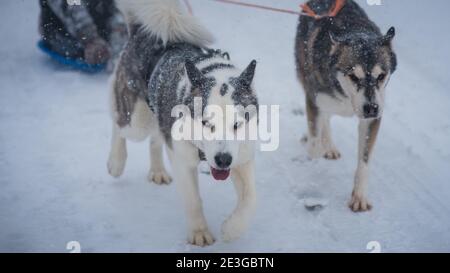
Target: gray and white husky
(166,64)
(344,64)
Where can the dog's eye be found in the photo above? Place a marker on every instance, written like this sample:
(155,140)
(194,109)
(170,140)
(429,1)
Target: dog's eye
(354,78)
(209,126)
(381,77)
(238,125)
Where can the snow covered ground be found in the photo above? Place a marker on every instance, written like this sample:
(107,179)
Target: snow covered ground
(55,135)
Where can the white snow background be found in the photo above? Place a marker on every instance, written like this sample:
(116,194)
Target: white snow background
(55,136)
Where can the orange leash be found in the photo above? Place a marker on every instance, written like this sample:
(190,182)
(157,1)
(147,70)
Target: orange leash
(189,7)
(306,10)
(338,5)
(257,6)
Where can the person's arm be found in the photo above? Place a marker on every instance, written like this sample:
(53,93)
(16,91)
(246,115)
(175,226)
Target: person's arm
(79,24)
(76,18)
(118,31)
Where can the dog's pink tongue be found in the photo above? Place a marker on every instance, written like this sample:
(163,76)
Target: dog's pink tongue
(220,174)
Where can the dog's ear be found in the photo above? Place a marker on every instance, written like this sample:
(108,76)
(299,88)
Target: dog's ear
(387,39)
(246,78)
(195,76)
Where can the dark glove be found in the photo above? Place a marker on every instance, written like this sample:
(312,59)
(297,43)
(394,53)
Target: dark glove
(96,51)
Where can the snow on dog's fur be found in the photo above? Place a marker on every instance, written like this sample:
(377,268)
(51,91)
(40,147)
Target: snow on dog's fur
(344,64)
(166,64)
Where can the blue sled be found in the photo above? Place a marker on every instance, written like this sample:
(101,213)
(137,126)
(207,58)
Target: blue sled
(73,63)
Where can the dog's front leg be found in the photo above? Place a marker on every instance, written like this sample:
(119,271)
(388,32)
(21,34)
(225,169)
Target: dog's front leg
(186,176)
(331,152)
(118,153)
(368,131)
(244,181)
(315,127)
(158,173)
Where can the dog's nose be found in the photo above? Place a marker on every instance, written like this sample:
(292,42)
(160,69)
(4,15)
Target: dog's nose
(223,160)
(371,110)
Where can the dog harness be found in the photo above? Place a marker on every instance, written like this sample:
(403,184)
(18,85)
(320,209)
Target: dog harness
(201,155)
(337,7)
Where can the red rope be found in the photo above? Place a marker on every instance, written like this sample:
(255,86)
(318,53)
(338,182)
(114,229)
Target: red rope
(189,7)
(338,6)
(258,6)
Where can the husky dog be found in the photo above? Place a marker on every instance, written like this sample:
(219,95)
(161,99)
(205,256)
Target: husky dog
(344,64)
(166,64)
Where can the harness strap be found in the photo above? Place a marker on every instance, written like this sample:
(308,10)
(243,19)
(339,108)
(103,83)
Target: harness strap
(201,155)
(337,7)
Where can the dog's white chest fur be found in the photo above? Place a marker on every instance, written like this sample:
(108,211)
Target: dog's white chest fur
(338,106)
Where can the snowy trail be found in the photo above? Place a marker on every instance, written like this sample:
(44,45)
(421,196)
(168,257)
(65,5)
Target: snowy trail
(55,135)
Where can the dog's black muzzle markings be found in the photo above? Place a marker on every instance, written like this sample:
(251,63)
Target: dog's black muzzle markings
(371,110)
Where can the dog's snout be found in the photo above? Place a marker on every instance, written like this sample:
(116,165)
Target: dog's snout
(223,160)
(371,110)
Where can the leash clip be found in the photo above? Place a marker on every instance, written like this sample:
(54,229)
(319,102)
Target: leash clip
(308,11)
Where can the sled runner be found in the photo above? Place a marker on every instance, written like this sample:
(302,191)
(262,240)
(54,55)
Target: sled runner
(74,63)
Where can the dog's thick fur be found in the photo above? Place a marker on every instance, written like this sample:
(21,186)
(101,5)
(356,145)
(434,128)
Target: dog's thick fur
(166,64)
(344,64)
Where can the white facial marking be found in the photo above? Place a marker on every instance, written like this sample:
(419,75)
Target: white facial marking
(356,96)
(359,72)
(376,71)
(223,126)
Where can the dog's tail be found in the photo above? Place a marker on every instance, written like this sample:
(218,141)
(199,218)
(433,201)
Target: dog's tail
(165,20)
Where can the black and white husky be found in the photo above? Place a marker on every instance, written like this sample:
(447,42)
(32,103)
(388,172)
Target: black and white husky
(344,64)
(164,65)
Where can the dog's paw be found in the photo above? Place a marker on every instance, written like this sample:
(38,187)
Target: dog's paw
(332,154)
(233,228)
(159,177)
(116,167)
(201,238)
(359,203)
